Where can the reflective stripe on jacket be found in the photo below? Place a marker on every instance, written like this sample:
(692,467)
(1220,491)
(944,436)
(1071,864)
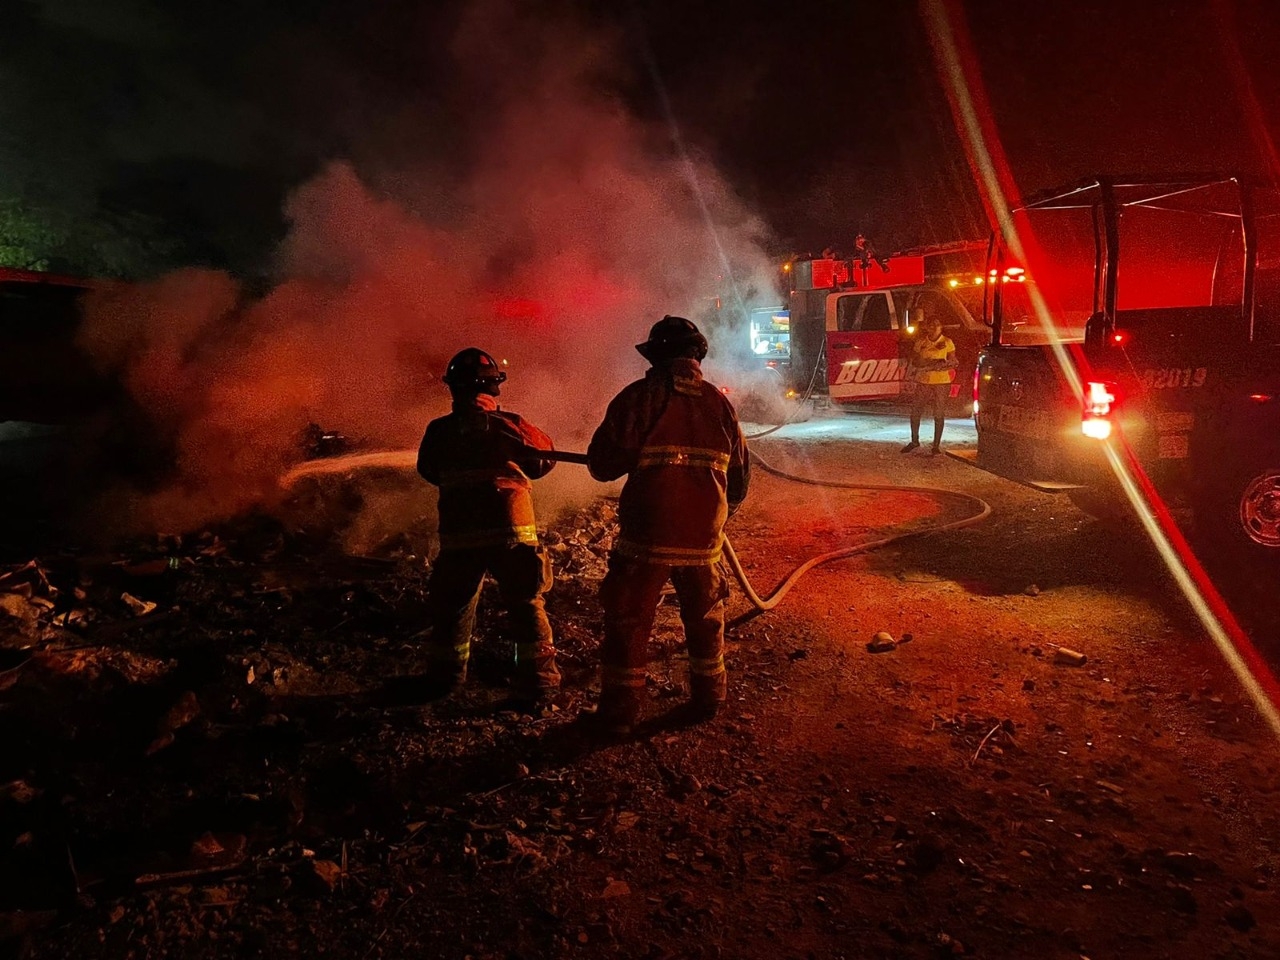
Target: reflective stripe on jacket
(474,455)
(678,440)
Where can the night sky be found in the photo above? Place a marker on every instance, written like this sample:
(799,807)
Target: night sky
(182,127)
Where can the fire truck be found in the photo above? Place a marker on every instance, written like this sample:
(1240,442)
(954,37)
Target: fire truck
(1142,353)
(854,319)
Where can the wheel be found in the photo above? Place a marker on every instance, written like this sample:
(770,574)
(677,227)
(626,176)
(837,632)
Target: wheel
(1259,509)
(1240,517)
(1099,505)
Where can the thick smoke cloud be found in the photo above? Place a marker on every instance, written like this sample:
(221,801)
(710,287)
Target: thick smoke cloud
(572,227)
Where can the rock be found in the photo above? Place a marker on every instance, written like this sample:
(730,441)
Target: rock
(1028,684)
(1071,658)
(906,638)
(139,608)
(688,784)
(1184,901)
(1032,590)
(615,888)
(219,849)
(1188,866)
(321,876)
(882,642)
(19,791)
(1239,918)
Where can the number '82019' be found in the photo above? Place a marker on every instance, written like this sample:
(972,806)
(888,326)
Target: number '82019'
(1163,378)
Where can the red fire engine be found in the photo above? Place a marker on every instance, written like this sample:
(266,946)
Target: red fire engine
(856,317)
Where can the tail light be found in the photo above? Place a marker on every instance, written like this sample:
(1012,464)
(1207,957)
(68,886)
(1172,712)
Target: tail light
(1099,405)
(977,372)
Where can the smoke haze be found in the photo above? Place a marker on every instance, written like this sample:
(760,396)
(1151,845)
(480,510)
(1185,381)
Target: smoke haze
(562,229)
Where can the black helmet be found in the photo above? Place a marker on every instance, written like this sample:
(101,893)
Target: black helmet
(474,371)
(673,337)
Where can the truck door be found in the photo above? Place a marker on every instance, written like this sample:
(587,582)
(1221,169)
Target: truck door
(863,356)
(966,331)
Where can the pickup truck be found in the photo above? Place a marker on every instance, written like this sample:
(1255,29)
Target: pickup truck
(1154,367)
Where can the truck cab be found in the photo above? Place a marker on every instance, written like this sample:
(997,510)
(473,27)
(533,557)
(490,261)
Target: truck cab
(865,316)
(1145,335)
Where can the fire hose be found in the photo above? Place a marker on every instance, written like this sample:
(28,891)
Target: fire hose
(407,458)
(764,604)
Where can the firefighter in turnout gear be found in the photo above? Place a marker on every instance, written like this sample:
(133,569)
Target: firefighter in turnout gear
(479,457)
(677,439)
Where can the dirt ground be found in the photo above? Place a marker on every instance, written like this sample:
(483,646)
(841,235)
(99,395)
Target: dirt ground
(236,773)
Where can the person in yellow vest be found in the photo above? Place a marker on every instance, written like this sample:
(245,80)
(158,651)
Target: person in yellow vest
(933,365)
(677,439)
(479,457)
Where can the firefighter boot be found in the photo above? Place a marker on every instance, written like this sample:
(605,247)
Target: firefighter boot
(440,686)
(706,693)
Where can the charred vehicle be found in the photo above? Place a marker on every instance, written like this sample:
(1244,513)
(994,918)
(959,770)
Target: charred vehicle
(1142,349)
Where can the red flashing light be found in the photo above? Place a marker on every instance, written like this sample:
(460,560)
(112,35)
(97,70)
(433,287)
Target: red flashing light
(1261,397)
(1099,403)
(1120,338)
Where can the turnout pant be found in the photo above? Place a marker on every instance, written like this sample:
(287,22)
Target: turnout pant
(630,594)
(929,397)
(523,573)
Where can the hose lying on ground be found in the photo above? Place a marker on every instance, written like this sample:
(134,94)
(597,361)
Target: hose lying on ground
(406,459)
(763,604)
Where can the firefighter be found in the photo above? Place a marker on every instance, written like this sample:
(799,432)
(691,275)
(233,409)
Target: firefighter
(933,360)
(479,456)
(677,439)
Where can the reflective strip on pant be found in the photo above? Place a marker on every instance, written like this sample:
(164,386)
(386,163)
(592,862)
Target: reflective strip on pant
(706,668)
(526,652)
(630,677)
(526,533)
(669,556)
(460,654)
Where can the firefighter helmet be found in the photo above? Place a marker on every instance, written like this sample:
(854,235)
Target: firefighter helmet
(673,337)
(474,371)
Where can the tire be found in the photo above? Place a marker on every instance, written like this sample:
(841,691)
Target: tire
(1099,505)
(1240,517)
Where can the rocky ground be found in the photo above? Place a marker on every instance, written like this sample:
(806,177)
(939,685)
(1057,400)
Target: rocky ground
(209,753)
